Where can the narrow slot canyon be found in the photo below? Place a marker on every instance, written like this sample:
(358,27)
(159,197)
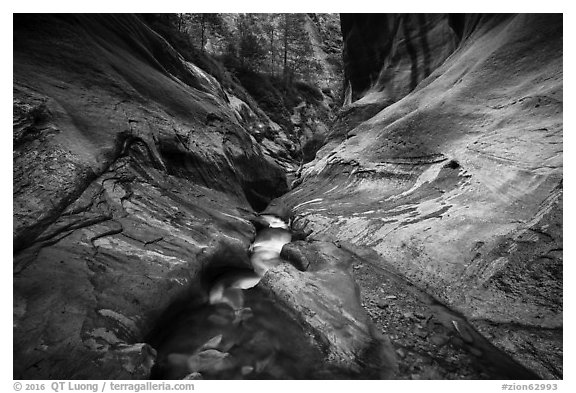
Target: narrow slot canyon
(288,196)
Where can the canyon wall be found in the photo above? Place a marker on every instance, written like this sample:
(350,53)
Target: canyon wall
(133,173)
(447,160)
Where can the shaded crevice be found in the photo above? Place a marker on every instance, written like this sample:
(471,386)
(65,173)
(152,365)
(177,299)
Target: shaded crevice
(411,53)
(110,232)
(424,43)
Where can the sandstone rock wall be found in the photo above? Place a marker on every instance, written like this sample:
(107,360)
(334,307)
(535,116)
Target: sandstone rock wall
(385,57)
(392,53)
(132,174)
(457,182)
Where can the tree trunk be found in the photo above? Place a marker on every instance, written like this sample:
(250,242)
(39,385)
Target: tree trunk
(272,51)
(285,45)
(180,19)
(202,29)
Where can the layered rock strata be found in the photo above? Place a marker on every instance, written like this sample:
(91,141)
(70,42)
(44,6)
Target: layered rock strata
(132,174)
(459,183)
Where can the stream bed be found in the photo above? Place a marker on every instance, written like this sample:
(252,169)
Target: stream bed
(258,341)
(240,333)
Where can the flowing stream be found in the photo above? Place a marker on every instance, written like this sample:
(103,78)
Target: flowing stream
(240,333)
(265,255)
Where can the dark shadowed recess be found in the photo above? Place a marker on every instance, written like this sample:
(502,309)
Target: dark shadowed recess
(369,42)
(270,341)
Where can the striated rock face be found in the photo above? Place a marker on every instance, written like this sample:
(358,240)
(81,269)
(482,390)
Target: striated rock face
(135,173)
(323,296)
(391,53)
(385,57)
(132,173)
(458,184)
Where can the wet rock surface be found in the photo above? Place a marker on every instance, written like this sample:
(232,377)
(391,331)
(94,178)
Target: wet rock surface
(255,341)
(276,322)
(325,300)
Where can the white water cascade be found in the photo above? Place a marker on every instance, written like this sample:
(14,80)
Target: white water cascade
(265,255)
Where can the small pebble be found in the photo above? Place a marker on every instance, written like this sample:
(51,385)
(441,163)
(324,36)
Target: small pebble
(245,370)
(213,343)
(193,376)
(382,304)
(463,331)
(218,320)
(408,315)
(438,340)
(457,341)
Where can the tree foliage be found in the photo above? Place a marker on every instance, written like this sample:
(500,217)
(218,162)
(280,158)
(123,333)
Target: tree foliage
(251,47)
(274,44)
(296,46)
(268,56)
(203,25)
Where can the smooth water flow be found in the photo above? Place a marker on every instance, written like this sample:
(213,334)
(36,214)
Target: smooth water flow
(267,247)
(265,255)
(240,334)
